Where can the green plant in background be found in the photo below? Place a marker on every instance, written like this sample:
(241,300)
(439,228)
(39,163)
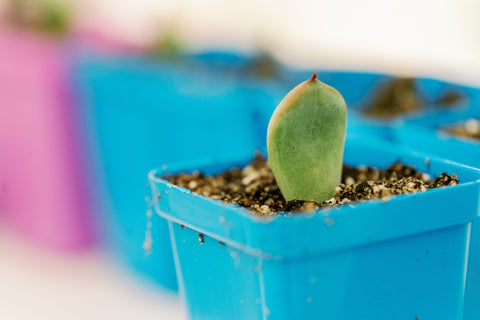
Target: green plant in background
(49,16)
(264,65)
(168,46)
(305,141)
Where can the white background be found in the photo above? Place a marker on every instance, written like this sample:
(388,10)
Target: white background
(438,37)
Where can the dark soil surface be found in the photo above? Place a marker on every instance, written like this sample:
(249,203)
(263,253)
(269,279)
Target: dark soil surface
(396,97)
(450,98)
(468,129)
(254,186)
(400,96)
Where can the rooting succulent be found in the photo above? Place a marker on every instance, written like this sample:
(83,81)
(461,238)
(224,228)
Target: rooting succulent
(305,141)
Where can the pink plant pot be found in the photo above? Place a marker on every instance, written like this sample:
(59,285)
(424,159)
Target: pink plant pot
(43,193)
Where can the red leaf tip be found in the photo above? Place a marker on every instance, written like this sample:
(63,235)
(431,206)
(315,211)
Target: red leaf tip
(314,76)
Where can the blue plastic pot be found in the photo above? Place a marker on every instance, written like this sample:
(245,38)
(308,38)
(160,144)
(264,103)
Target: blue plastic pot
(139,114)
(399,259)
(424,134)
(365,87)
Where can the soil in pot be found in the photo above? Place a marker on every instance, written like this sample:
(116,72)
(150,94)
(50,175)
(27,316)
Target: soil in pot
(468,129)
(254,186)
(400,96)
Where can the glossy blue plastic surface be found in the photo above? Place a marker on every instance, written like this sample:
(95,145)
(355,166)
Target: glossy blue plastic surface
(399,259)
(140,114)
(424,134)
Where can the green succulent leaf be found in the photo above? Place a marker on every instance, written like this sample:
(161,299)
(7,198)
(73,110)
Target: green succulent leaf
(305,141)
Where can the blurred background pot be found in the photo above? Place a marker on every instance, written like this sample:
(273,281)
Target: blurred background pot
(140,113)
(43,188)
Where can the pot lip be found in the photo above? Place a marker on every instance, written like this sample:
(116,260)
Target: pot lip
(327,229)
(156,176)
(433,130)
(431,110)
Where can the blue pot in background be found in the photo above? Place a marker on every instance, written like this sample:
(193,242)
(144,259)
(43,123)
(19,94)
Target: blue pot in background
(139,114)
(399,259)
(359,90)
(425,134)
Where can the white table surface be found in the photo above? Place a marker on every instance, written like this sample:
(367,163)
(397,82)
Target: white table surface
(36,285)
